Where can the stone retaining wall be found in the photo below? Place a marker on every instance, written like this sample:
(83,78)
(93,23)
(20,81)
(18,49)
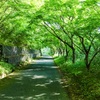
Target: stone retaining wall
(15,55)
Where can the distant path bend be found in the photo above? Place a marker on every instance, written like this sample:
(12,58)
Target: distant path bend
(40,81)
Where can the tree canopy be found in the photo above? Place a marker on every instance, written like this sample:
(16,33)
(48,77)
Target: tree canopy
(70,26)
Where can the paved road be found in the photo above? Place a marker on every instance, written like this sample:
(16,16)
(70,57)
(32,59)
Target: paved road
(40,81)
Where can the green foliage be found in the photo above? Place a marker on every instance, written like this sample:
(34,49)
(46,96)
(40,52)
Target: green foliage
(55,24)
(60,60)
(82,85)
(75,68)
(6,68)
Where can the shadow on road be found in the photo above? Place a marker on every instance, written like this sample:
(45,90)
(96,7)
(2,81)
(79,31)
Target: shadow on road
(41,81)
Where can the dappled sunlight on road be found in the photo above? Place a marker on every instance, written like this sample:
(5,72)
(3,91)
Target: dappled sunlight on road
(38,82)
(38,77)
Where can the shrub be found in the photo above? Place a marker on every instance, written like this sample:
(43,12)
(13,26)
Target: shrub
(5,68)
(83,85)
(60,60)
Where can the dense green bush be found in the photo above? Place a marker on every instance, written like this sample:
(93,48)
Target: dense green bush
(60,60)
(5,68)
(82,85)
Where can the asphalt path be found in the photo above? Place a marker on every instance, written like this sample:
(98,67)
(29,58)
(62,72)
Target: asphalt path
(40,81)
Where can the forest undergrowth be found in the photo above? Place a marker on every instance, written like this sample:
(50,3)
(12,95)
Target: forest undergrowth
(81,84)
(5,69)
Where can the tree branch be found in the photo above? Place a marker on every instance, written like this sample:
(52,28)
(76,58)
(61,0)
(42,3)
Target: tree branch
(55,34)
(82,41)
(98,51)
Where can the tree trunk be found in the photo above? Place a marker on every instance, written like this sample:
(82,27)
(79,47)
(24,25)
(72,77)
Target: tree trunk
(1,52)
(63,52)
(73,55)
(40,52)
(66,53)
(60,51)
(73,49)
(87,61)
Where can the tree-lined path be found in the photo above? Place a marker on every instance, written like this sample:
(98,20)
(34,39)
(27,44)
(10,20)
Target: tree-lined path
(40,81)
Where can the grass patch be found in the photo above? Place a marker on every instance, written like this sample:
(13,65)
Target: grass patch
(82,85)
(5,68)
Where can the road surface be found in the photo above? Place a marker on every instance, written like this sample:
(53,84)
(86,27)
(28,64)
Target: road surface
(40,81)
